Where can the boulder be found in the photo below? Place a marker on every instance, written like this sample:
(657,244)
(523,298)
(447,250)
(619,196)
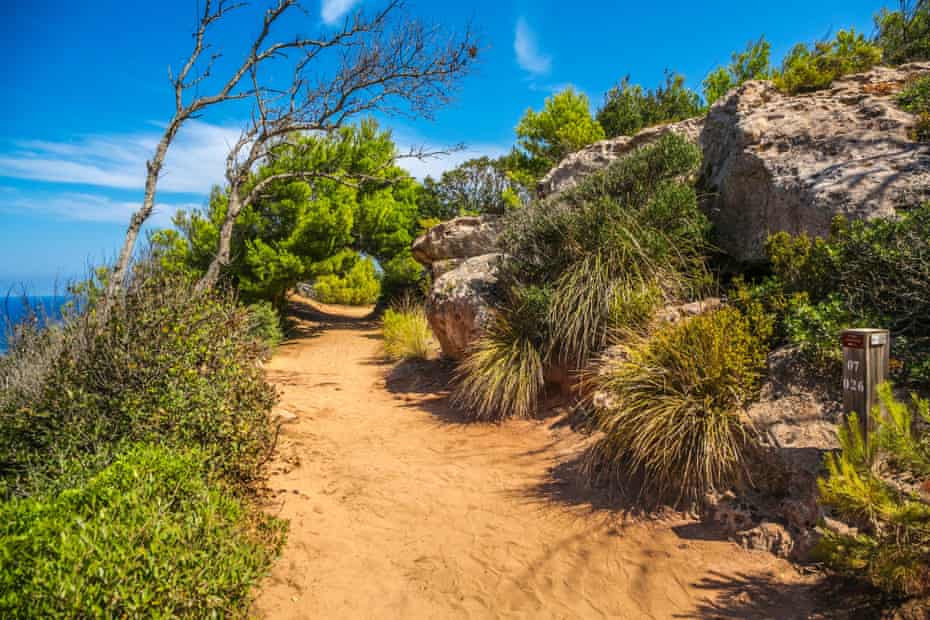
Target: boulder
(459,304)
(598,155)
(774,162)
(459,238)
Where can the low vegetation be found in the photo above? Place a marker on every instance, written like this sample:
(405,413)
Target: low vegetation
(149,535)
(671,417)
(628,108)
(915,98)
(879,484)
(129,437)
(406,332)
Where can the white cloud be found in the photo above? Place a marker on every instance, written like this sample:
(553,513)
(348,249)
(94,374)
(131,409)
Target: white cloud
(333,10)
(529,56)
(194,163)
(86,207)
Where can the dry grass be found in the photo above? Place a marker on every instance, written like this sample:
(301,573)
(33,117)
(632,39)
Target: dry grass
(406,331)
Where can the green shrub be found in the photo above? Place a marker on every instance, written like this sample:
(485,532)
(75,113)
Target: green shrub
(359,286)
(265,324)
(904,35)
(632,227)
(628,108)
(750,64)
(148,536)
(166,365)
(805,69)
(815,328)
(403,277)
(892,546)
(875,272)
(672,413)
(406,331)
(502,375)
(915,98)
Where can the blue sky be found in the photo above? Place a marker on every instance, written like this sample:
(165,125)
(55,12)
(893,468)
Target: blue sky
(85,92)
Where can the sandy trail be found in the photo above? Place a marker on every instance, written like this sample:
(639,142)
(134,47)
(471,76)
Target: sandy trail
(398,509)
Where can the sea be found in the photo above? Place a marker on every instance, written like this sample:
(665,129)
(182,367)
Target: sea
(14,309)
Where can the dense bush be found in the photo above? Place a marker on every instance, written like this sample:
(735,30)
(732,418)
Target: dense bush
(891,547)
(875,272)
(358,287)
(915,98)
(807,69)
(632,227)
(904,35)
(149,536)
(166,365)
(265,324)
(403,277)
(671,419)
(502,375)
(406,331)
(750,64)
(628,108)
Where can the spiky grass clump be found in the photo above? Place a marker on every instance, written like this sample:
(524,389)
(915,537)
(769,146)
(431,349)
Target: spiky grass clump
(673,418)
(502,375)
(406,331)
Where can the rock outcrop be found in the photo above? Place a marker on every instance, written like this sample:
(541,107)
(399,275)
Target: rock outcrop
(598,155)
(774,162)
(459,304)
(457,239)
(463,258)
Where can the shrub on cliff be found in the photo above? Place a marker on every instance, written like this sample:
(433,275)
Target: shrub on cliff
(628,108)
(166,365)
(671,414)
(150,535)
(807,69)
(750,64)
(915,98)
(904,35)
(891,547)
(875,272)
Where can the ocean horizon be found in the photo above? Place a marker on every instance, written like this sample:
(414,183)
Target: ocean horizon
(14,308)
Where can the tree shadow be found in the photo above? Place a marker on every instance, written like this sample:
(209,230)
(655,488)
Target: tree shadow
(764,597)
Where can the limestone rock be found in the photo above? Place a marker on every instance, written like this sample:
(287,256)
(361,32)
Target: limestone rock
(459,304)
(459,238)
(598,155)
(774,162)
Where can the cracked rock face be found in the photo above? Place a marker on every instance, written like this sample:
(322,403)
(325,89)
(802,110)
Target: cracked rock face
(459,305)
(459,238)
(774,162)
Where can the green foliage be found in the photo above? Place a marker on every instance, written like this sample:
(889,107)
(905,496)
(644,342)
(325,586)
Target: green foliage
(750,64)
(628,108)
(473,187)
(149,536)
(406,331)
(672,419)
(805,69)
(904,35)
(815,328)
(351,200)
(502,375)
(544,138)
(915,98)
(166,365)
(403,276)
(630,228)
(892,547)
(358,286)
(265,324)
(875,272)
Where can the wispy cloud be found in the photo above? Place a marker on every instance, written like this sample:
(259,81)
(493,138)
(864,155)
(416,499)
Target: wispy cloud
(333,10)
(85,207)
(194,163)
(529,56)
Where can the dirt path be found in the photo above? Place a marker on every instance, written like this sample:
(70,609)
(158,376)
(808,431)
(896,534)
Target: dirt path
(398,509)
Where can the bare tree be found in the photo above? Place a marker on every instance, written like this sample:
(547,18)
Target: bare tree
(376,66)
(382,65)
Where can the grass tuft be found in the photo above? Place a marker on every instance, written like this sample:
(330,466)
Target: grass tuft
(406,331)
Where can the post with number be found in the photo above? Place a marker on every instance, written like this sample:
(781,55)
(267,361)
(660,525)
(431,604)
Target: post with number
(865,367)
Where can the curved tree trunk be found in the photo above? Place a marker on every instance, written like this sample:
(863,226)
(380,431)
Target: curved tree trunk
(224,247)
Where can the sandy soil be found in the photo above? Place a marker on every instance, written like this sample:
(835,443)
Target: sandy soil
(400,509)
